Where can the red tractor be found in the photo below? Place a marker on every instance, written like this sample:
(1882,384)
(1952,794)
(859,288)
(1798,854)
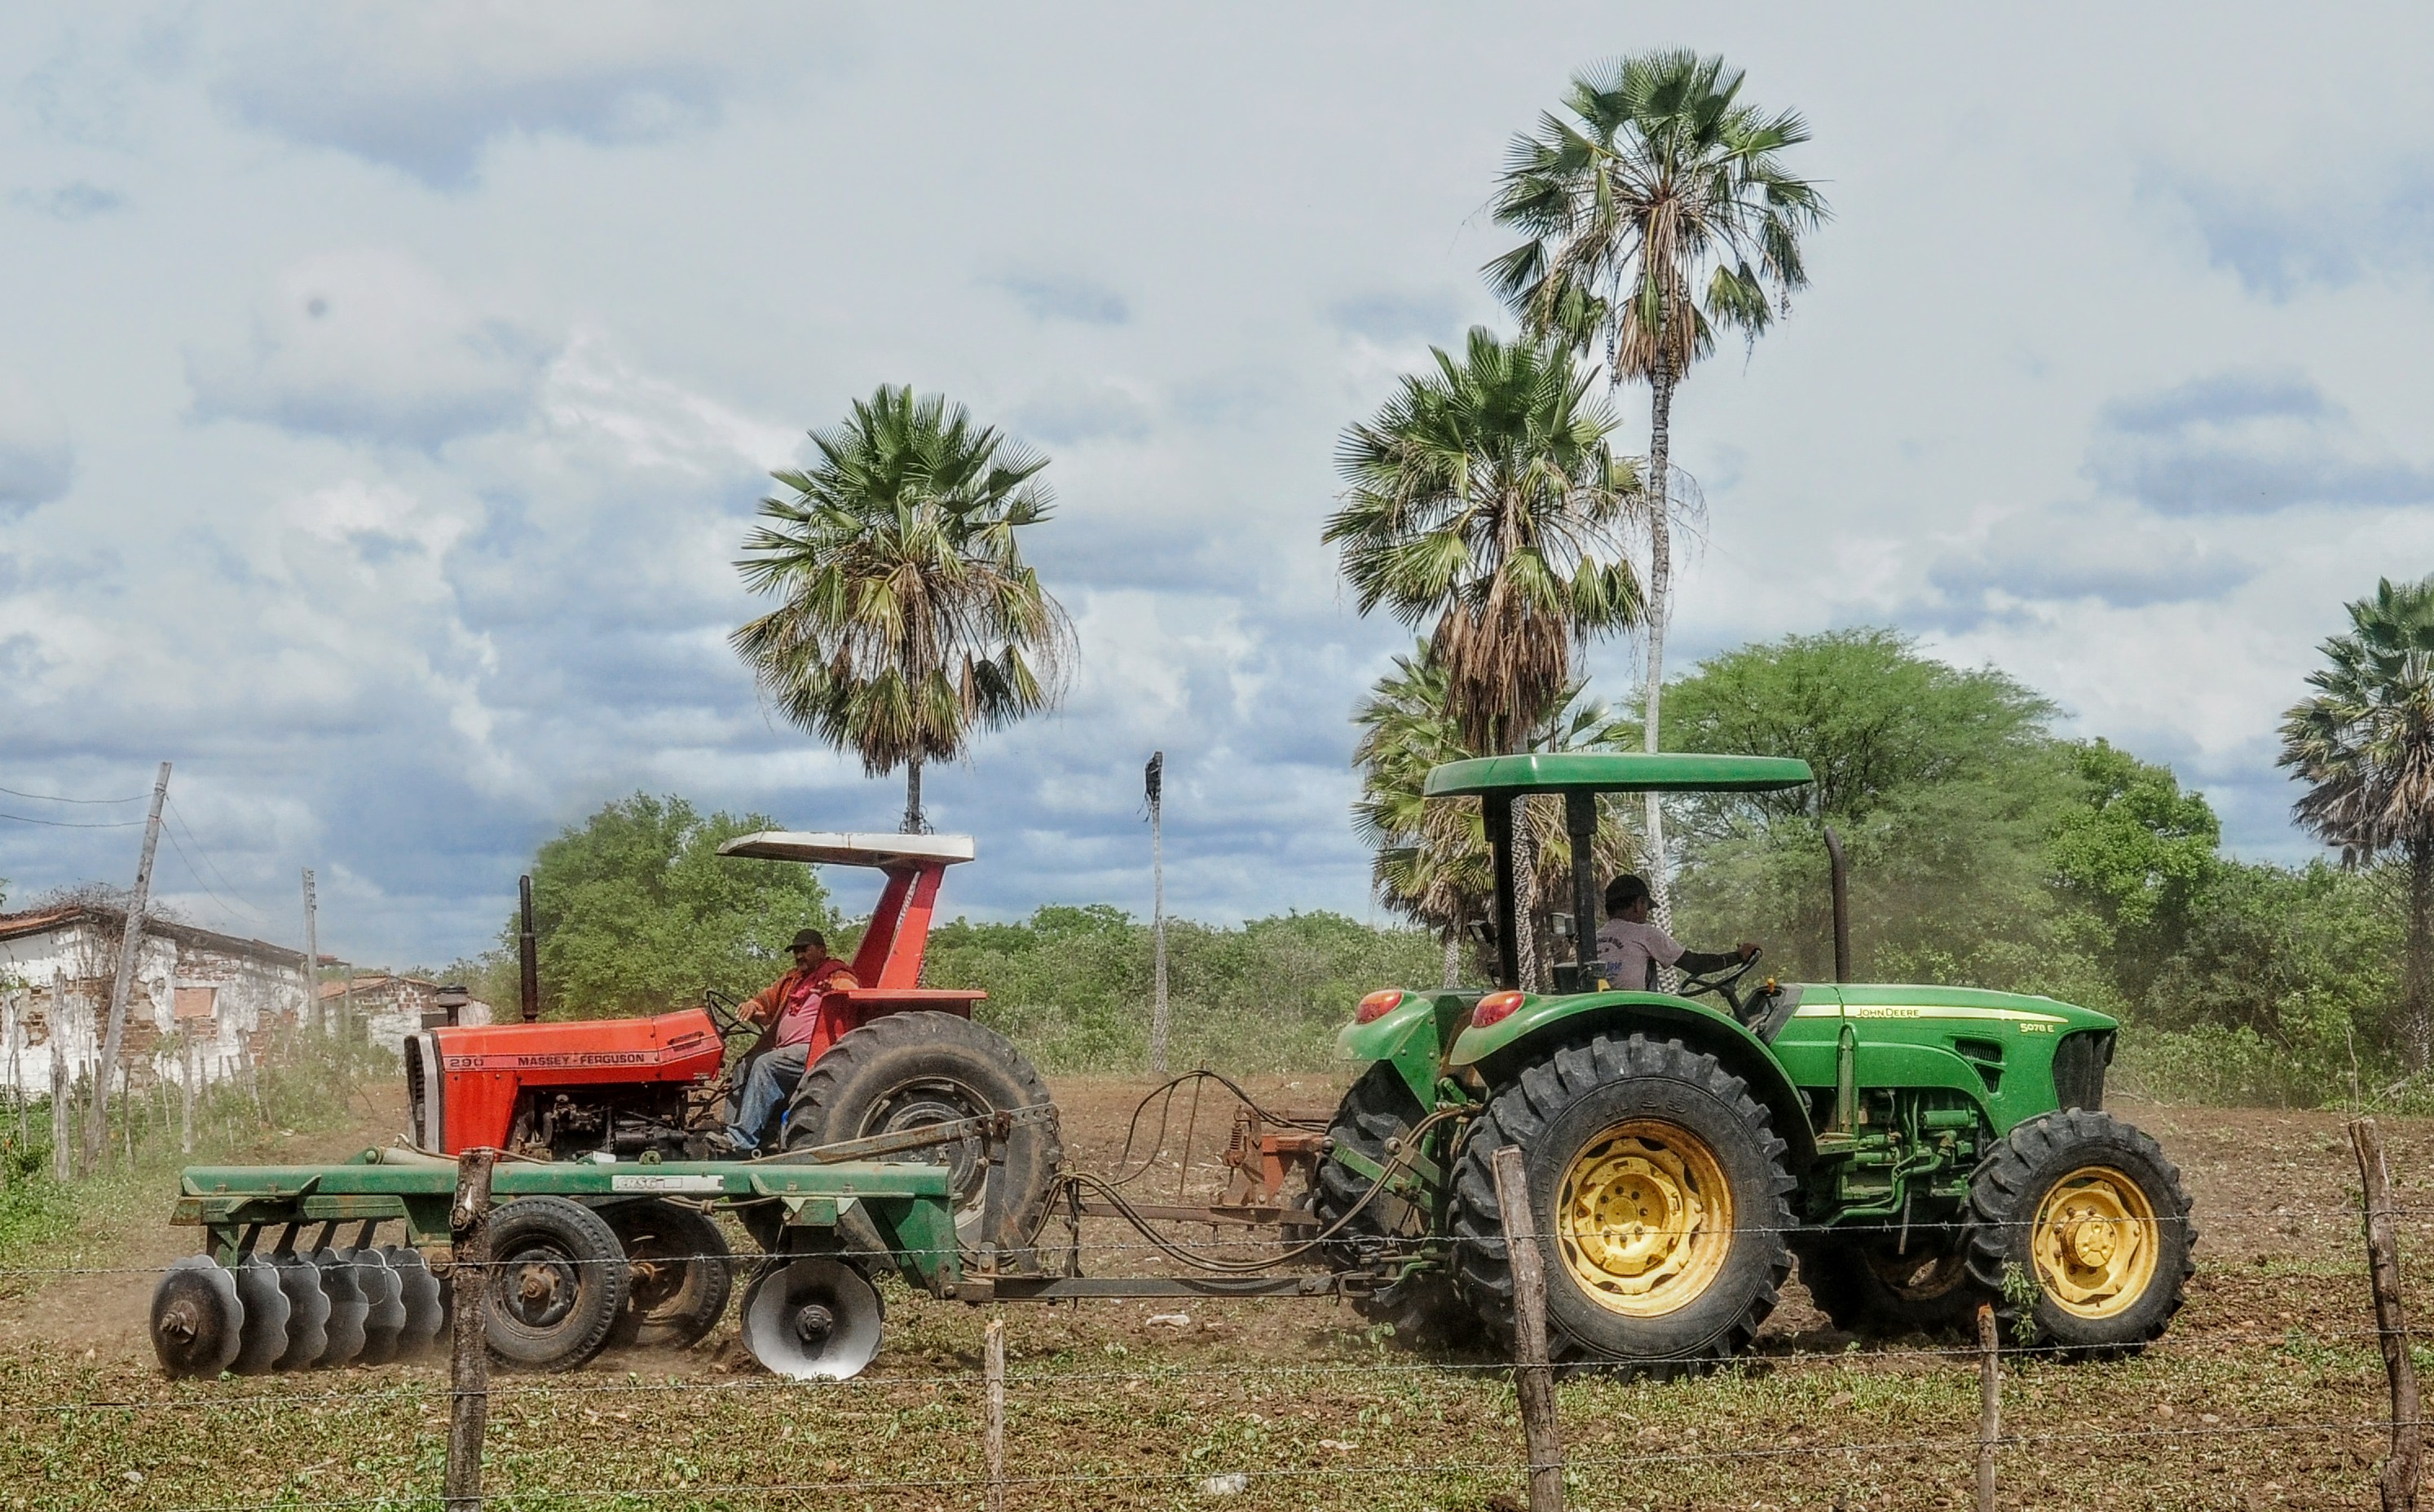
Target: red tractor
(888,1058)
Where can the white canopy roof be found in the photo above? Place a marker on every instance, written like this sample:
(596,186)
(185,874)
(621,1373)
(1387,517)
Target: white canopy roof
(864,849)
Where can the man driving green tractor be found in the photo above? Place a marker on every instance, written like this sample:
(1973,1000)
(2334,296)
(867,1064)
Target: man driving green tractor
(1631,949)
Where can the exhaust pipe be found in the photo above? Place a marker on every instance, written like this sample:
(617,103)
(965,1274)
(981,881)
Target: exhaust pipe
(1841,907)
(529,954)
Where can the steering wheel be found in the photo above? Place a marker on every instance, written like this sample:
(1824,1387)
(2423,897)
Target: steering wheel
(1721,982)
(726,1013)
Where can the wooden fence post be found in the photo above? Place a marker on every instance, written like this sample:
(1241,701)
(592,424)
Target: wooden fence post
(468,1359)
(1990,1402)
(1534,1382)
(2400,1471)
(993,1422)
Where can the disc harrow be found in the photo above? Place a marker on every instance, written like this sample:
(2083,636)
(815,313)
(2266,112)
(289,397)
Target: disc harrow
(290,1310)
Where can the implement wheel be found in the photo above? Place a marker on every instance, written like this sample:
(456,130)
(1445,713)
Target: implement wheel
(679,1273)
(1660,1193)
(558,1285)
(2087,1209)
(1421,1309)
(907,1071)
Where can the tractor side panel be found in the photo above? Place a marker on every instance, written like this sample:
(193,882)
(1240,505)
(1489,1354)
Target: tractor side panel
(1996,1047)
(482,1069)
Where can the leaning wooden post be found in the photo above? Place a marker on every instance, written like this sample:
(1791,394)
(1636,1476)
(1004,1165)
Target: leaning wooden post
(1534,1382)
(1990,1403)
(2400,1472)
(993,1417)
(469,1360)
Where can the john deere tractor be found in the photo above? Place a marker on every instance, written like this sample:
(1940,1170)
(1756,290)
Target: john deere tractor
(1917,1150)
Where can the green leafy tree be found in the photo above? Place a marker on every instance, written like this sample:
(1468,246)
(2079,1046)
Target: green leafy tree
(1484,502)
(2135,860)
(1657,209)
(1941,782)
(1431,864)
(2364,746)
(909,619)
(636,911)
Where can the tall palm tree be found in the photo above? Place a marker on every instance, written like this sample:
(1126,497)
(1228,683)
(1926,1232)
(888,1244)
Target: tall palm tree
(1431,864)
(1657,210)
(2364,745)
(1482,500)
(909,619)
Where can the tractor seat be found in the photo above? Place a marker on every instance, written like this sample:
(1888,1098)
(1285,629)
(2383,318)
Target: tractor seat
(1765,1013)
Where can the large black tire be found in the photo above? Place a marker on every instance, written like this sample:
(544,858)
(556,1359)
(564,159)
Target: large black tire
(1423,1308)
(1632,1120)
(1867,1283)
(2087,1209)
(558,1285)
(679,1275)
(907,1070)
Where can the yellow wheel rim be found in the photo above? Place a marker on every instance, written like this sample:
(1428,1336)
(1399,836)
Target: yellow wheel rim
(1644,1218)
(2094,1243)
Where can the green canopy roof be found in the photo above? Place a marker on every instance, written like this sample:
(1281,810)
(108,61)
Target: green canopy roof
(1603,772)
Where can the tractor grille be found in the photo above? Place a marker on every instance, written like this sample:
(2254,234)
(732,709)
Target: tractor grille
(2079,1069)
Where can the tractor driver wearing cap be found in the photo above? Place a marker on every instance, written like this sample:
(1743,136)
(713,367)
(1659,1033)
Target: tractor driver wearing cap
(788,1011)
(1633,948)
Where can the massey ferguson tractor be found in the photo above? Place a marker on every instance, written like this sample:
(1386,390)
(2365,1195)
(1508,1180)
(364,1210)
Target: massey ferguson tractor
(1917,1150)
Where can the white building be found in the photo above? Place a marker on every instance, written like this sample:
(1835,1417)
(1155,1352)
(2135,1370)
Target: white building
(224,994)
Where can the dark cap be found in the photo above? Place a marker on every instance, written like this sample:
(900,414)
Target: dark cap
(808,937)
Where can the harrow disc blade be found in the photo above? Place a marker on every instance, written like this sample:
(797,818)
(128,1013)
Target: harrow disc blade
(385,1307)
(262,1339)
(811,1318)
(197,1319)
(419,1292)
(308,1312)
(345,1328)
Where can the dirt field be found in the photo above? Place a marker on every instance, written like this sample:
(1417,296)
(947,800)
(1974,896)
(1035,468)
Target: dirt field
(2257,1399)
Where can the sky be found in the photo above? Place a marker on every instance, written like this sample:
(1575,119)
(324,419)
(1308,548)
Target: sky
(386,392)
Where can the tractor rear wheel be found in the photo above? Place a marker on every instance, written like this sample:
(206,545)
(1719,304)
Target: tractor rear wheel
(1869,1284)
(1660,1193)
(679,1273)
(910,1070)
(1423,1308)
(2085,1207)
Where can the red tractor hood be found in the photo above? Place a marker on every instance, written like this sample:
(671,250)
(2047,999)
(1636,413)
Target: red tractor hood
(464,1084)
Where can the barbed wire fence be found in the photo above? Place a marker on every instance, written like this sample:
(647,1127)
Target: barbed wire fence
(1540,1464)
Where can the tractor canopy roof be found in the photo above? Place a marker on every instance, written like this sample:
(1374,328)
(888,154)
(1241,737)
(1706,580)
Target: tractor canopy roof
(861,849)
(1617,772)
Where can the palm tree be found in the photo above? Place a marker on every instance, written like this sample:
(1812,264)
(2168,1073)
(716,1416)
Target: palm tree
(1431,864)
(1657,210)
(909,618)
(1483,497)
(2364,745)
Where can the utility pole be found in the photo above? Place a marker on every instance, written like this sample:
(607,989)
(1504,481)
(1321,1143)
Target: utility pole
(312,1015)
(1154,778)
(97,1123)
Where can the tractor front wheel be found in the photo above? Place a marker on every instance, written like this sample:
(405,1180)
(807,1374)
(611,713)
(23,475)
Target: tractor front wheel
(2079,1230)
(910,1071)
(1660,1194)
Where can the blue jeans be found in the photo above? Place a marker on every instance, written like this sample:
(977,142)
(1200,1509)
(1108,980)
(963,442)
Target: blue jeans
(767,1085)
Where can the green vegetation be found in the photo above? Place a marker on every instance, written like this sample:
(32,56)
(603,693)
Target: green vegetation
(1659,210)
(1072,985)
(636,912)
(909,619)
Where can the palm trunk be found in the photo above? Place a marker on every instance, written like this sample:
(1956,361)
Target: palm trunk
(1453,957)
(2417,964)
(914,822)
(1660,583)
(1525,897)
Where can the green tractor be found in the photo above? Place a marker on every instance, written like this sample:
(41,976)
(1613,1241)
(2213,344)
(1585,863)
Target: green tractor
(1918,1150)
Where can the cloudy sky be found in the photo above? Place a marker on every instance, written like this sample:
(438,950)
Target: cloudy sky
(383,394)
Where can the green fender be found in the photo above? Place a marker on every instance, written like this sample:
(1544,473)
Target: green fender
(1411,1035)
(1541,1024)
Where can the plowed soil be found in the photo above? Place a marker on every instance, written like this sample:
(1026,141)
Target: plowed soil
(2266,1392)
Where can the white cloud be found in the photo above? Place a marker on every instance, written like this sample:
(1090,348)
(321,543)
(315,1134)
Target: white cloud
(370,344)
(36,459)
